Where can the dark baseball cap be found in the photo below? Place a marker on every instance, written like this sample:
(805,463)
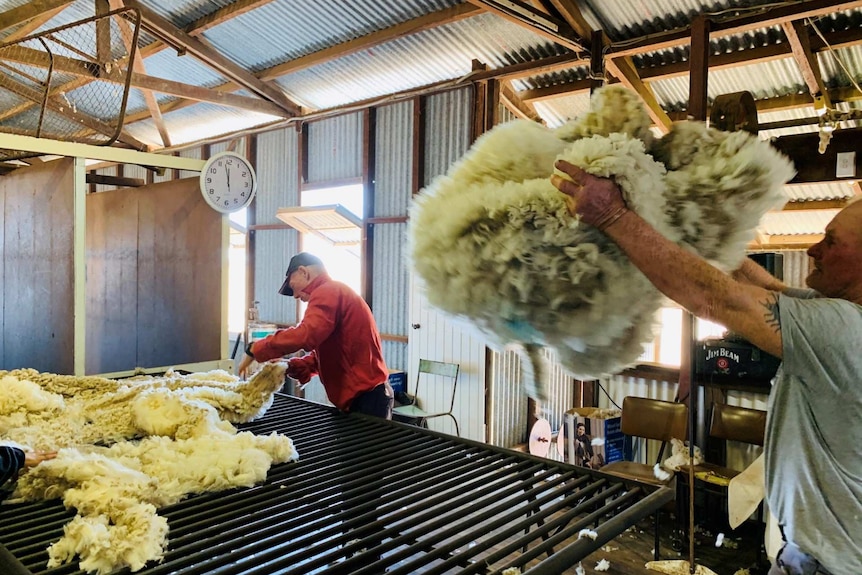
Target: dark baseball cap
(300,259)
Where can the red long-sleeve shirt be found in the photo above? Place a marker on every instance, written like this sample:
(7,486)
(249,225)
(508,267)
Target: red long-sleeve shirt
(339,330)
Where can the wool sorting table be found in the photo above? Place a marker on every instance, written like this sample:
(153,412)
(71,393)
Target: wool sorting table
(369,496)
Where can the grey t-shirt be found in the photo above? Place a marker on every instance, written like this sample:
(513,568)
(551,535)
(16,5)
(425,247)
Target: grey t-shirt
(814,431)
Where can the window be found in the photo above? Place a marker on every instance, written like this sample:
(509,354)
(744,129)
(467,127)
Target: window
(666,348)
(342,253)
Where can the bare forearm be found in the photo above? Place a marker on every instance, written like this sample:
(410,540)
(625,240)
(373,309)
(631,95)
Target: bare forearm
(701,288)
(679,274)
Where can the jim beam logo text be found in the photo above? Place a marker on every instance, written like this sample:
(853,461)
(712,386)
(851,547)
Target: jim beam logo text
(721,352)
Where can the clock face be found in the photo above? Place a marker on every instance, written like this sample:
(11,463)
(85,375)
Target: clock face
(228,182)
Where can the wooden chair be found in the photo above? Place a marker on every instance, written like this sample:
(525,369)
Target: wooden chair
(431,368)
(649,419)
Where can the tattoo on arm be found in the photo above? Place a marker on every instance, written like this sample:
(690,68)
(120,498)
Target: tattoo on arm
(771,314)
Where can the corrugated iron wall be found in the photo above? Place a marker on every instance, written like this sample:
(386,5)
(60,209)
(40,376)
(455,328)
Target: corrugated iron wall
(447,118)
(507,401)
(335,148)
(277,171)
(392,193)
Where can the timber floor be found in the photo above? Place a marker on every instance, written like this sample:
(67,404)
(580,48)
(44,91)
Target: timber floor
(628,553)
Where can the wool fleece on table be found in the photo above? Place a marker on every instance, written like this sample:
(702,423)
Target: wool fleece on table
(128,447)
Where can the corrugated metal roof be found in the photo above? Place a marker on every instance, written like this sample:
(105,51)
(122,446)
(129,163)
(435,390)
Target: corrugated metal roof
(769,79)
(796,222)
(557,111)
(824,191)
(392,67)
(625,19)
(283,31)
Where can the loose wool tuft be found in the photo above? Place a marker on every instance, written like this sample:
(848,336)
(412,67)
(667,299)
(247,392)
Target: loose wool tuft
(184,444)
(494,243)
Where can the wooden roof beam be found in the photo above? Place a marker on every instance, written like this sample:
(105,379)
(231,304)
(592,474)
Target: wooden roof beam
(624,70)
(60,107)
(34,10)
(87,70)
(785,242)
(814,205)
(551,92)
(569,11)
(32,24)
(797,37)
(522,109)
(536,21)
(166,31)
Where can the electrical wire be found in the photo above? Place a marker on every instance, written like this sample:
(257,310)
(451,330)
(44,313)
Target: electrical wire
(611,399)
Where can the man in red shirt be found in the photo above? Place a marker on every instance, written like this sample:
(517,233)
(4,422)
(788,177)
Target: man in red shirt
(339,330)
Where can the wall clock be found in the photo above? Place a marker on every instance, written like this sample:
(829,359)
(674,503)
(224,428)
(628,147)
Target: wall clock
(228,182)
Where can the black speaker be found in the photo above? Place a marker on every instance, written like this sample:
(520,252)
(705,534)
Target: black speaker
(771,262)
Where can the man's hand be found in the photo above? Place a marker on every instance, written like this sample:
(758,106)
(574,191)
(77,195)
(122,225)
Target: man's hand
(299,370)
(244,365)
(34,458)
(597,201)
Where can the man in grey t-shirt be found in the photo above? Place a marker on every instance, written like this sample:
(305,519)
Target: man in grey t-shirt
(814,427)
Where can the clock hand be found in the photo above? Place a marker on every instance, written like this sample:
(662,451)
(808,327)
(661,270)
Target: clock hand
(228,178)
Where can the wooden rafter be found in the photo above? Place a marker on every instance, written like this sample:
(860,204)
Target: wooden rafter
(59,106)
(514,104)
(797,37)
(785,242)
(48,10)
(550,92)
(163,28)
(435,19)
(536,21)
(624,70)
(814,205)
(569,12)
(85,69)
(35,9)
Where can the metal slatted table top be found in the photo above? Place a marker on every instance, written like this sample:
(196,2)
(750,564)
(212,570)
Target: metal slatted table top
(372,496)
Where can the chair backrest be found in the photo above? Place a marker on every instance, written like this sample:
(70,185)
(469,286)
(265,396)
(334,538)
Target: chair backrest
(654,418)
(440,368)
(734,423)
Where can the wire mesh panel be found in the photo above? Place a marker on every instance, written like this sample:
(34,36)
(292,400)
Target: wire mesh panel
(69,83)
(369,495)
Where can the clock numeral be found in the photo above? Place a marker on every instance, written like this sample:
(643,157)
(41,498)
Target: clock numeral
(230,162)
(244,174)
(209,180)
(213,170)
(211,191)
